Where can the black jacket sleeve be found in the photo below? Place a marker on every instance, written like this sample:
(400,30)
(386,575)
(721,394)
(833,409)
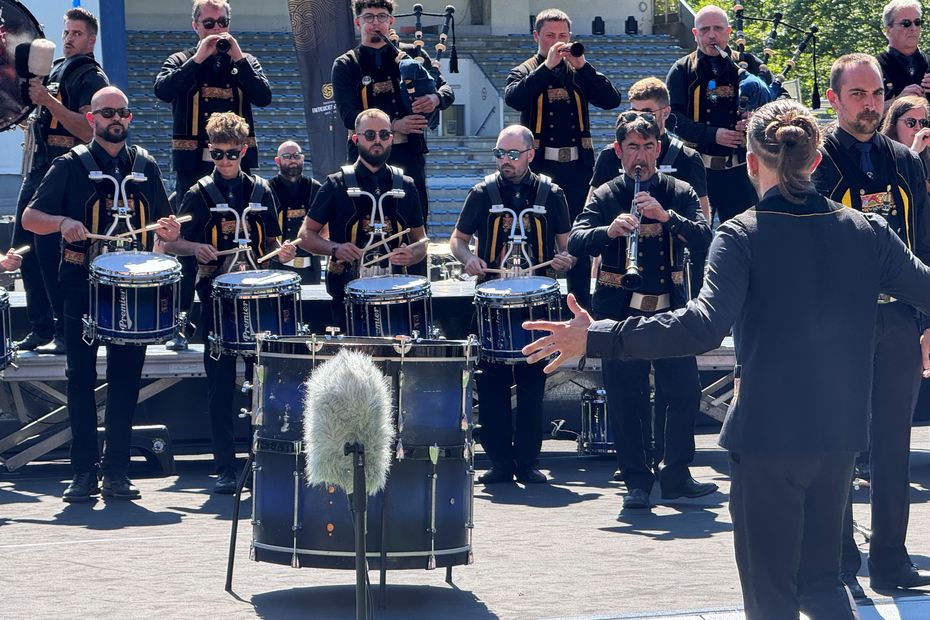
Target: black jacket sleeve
(686,221)
(589,232)
(346,76)
(903,275)
(597,88)
(524,86)
(178,74)
(253,81)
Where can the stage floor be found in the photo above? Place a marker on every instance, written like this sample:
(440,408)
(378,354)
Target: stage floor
(546,551)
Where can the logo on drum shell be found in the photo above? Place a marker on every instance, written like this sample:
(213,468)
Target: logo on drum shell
(247,332)
(125,323)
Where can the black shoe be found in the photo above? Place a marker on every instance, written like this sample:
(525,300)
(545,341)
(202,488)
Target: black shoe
(226,482)
(617,476)
(691,488)
(82,487)
(496,475)
(31,341)
(910,577)
(55,347)
(119,487)
(636,498)
(531,476)
(178,343)
(851,582)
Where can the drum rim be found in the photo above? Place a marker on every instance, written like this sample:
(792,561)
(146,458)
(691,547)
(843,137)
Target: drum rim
(422,286)
(278,348)
(100,273)
(220,281)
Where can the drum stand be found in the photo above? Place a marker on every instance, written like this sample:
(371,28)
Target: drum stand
(120,210)
(376,219)
(230,560)
(517,247)
(242,233)
(359,507)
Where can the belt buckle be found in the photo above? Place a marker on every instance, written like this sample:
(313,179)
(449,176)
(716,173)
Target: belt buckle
(649,303)
(565,154)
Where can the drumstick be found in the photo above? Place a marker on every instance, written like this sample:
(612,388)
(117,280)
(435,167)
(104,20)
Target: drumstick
(232,251)
(539,266)
(383,241)
(96,237)
(151,227)
(392,253)
(274,253)
(22,250)
(500,271)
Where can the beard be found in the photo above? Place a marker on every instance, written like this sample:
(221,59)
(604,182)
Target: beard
(114,134)
(375,160)
(866,122)
(291,170)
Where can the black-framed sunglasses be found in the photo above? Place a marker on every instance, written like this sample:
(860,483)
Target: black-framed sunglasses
(512,154)
(907,23)
(230,154)
(631,115)
(111,112)
(210,23)
(289,156)
(384,134)
(913,122)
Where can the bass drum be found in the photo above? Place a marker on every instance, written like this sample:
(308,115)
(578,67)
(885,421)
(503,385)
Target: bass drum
(18,29)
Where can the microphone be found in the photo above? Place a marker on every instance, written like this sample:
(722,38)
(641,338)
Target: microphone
(347,401)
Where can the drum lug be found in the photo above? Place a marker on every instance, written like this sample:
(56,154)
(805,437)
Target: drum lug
(252,549)
(246,387)
(471,558)
(215,350)
(90,330)
(245,413)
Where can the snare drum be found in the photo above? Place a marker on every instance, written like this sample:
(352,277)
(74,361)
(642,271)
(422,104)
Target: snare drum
(133,298)
(249,302)
(396,305)
(6,342)
(503,305)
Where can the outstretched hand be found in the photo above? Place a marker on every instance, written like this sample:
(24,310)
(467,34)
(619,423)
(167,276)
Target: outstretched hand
(925,353)
(567,338)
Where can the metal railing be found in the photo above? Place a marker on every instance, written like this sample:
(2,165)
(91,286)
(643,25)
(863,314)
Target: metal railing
(676,18)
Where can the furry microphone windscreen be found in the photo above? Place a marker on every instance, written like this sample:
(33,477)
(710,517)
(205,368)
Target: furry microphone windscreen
(347,400)
(41,55)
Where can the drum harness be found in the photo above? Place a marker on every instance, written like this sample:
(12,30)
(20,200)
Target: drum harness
(376,219)
(243,251)
(120,209)
(517,245)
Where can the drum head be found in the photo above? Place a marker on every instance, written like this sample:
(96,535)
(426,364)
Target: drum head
(260,279)
(517,287)
(17,28)
(135,265)
(387,284)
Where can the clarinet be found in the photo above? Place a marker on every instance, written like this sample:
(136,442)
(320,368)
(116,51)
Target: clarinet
(632,280)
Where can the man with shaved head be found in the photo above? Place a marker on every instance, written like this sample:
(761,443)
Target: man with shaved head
(295,192)
(68,203)
(512,449)
(703,91)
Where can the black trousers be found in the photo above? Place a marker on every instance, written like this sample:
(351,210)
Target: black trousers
(574,178)
(44,299)
(124,369)
(730,192)
(895,386)
(221,386)
(628,408)
(787,513)
(511,443)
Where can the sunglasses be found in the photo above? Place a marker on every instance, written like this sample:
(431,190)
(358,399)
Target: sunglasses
(632,115)
(289,156)
(369,18)
(907,23)
(384,134)
(111,112)
(210,23)
(512,154)
(913,122)
(230,154)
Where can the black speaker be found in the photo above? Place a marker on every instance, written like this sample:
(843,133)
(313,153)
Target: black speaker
(597,26)
(632,26)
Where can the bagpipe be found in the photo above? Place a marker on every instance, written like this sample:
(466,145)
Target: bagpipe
(757,90)
(418,80)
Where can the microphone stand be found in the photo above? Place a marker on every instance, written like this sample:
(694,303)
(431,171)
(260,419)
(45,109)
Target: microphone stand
(359,507)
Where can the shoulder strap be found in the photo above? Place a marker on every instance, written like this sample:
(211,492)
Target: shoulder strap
(542,193)
(494,192)
(674,148)
(82,62)
(140,159)
(258,190)
(86,158)
(207,185)
(397,177)
(348,173)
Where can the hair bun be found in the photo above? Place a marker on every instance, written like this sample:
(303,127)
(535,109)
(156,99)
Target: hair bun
(790,135)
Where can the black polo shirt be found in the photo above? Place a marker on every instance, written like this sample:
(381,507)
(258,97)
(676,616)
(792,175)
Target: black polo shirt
(493,229)
(66,190)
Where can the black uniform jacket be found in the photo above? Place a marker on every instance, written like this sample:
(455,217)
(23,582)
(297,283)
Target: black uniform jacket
(686,228)
(899,70)
(294,200)
(195,91)
(798,284)
(553,103)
